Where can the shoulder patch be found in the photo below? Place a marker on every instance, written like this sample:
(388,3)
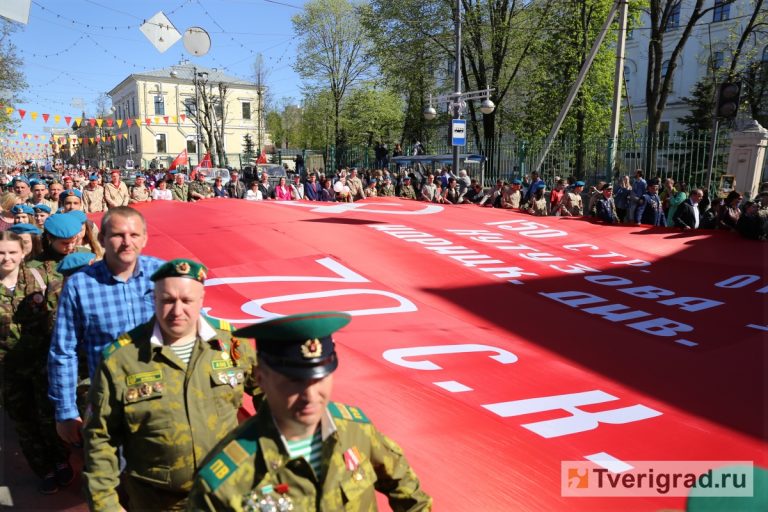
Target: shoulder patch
(122,340)
(217,323)
(347,412)
(243,445)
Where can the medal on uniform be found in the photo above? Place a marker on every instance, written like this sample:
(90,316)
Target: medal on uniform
(232,379)
(233,351)
(131,395)
(145,389)
(352,459)
(222,378)
(224,356)
(284,502)
(157,387)
(37,298)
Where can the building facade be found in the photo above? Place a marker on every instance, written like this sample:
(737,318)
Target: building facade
(710,47)
(155,112)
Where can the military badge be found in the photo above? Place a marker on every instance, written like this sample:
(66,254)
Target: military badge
(222,378)
(311,349)
(37,298)
(145,389)
(233,350)
(131,395)
(158,387)
(183,268)
(201,275)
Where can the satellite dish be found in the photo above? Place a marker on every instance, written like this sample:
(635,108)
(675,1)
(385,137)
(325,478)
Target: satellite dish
(197,41)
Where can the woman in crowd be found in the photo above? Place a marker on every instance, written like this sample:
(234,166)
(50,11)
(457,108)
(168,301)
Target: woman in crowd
(556,195)
(7,202)
(730,212)
(218,188)
(370,189)
(25,332)
(621,197)
(42,212)
(282,191)
(22,214)
(253,193)
(161,192)
(451,193)
(710,217)
(88,239)
(31,243)
(675,197)
(60,237)
(538,203)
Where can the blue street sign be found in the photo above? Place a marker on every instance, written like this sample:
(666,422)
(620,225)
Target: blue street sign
(459,132)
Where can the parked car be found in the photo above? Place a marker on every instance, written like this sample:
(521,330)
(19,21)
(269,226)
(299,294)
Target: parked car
(212,174)
(274,171)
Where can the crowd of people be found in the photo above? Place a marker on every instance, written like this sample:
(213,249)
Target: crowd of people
(105,349)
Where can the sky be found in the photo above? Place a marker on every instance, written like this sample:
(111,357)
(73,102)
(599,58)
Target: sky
(76,50)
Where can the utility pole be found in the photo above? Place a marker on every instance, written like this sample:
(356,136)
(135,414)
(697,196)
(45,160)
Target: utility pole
(457,83)
(618,81)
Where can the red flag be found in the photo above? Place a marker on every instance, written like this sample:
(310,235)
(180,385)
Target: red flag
(205,163)
(45,117)
(68,119)
(262,158)
(183,117)
(147,121)
(165,118)
(92,122)
(110,121)
(181,159)
(21,113)
(129,122)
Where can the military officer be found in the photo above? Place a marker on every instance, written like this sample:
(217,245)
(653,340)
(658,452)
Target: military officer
(199,189)
(301,451)
(93,196)
(179,189)
(167,391)
(139,192)
(407,191)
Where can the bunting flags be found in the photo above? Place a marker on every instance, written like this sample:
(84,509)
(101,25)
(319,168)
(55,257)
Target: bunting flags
(110,121)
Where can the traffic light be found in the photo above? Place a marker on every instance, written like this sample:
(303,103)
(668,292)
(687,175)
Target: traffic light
(728,100)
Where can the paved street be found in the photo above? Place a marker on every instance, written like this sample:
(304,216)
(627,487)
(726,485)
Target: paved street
(17,479)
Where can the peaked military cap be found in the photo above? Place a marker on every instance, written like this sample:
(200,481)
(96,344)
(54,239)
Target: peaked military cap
(42,208)
(23,228)
(298,346)
(71,263)
(181,267)
(62,226)
(22,208)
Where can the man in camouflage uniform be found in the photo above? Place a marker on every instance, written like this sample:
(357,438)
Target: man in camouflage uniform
(199,189)
(406,190)
(139,192)
(387,189)
(302,452)
(93,196)
(26,322)
(167,391)
(179,189)
(571,205)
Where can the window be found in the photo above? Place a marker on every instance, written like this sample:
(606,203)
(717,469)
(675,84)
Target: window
(190,109)
(160,142)
(717,60)
(246,110)
(218,108)
(191,144)
(159,105)
(722,11)
(674,17)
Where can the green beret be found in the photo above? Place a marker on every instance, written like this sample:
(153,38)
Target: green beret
(298,346)
(181,267)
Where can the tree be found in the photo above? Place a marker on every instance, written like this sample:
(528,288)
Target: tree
(260,77)
(274,122)
(333,50)
(212,118)
(249,149)
(11,75)
(701,104)
(661,14)
(371,114)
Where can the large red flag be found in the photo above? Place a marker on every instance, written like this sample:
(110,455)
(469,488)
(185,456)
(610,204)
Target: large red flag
(181,159)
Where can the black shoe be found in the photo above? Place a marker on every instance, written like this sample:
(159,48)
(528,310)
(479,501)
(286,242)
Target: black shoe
(64,474)
(49,485)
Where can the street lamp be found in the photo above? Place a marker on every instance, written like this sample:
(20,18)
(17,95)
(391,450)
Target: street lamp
(457,100)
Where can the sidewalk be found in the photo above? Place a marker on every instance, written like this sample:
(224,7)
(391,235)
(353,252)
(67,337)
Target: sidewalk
(18,480)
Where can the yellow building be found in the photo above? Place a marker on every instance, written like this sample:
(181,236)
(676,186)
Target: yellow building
(161,107)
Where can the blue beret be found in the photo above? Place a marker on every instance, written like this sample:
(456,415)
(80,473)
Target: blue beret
(22,208)
(70,192)
(42,208)
(516,182)
(61,210)
(93,177)
(20,178)
(79,215)
(139,176)
(373,180)
(174,172)
(578,184)
(298,346)
(406,178)
(32,183)
(71,263)
(23,228)
(541,185)
(63,226)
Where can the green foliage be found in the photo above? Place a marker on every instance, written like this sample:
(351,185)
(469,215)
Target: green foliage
(701,103)
(372,115)
(11,76)
(274,123)
(249,149)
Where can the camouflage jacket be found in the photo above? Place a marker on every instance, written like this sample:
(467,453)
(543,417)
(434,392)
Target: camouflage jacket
(139,194)
(180,192)
(407,192)
(93,200)
(165,414)
(202,188)
(26,316)
(252,464)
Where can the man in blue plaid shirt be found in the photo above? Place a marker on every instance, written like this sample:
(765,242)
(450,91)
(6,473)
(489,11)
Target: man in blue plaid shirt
(98,304)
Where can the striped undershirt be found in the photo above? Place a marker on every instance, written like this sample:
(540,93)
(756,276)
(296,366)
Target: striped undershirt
(310,448)
(184,351)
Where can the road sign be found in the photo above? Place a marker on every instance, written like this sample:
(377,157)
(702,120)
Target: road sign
(459,132)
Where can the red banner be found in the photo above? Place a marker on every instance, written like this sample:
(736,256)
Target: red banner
(495,345)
